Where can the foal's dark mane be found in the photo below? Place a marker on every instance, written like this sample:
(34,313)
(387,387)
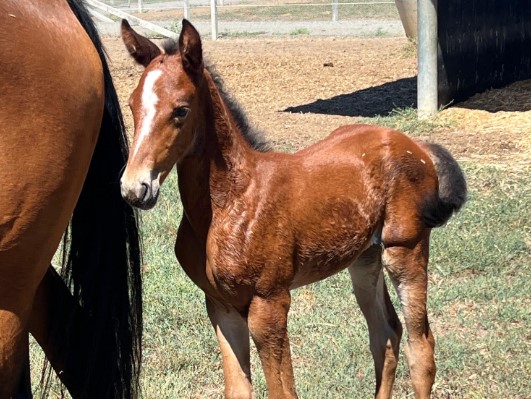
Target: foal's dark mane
(255,137)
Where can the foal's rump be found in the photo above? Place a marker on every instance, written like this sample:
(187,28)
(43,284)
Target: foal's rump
(363,185)
(407,184)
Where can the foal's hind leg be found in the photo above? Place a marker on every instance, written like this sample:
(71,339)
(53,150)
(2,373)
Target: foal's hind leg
(385,329)
(407,267)
(233,338)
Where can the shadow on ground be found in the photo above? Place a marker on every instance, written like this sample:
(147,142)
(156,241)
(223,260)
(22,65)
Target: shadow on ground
(370,102)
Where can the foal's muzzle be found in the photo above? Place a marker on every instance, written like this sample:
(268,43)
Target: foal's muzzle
(141,193)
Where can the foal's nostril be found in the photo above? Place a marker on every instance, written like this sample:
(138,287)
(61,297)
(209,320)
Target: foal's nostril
(145,192)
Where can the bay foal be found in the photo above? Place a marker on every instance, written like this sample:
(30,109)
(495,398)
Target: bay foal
(258,224)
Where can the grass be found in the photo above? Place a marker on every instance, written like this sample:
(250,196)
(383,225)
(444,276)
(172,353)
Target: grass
(300,31)
(404,120)
(479,306)
(380,32)
(242,34)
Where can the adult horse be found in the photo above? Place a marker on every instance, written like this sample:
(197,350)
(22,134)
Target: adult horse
(258,224)
(63,145)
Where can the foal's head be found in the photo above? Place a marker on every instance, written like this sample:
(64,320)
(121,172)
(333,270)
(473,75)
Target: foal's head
(164,107)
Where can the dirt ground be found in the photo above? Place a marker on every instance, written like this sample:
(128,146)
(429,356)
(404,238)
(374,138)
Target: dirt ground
(299,89)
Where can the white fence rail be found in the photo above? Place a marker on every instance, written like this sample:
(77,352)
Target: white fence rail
(145,24)
(239,11)
(139,6)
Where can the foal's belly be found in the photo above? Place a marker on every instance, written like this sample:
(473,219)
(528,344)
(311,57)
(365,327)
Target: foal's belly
(332,234)
(317,271)
(317,262)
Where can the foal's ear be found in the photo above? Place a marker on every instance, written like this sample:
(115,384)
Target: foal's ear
(191,49)
(141,48)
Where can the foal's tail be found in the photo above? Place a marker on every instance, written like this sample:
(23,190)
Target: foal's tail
(452,186)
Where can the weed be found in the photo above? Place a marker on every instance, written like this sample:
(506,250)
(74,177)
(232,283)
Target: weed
(300,31)
(242,34)
(380,32)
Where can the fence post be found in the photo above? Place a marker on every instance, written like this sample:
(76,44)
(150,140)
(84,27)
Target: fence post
(427,58)
(214,19)
(335,10)
(186,11)
(140,5)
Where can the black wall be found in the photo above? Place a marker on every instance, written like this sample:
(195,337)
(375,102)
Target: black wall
(482,44)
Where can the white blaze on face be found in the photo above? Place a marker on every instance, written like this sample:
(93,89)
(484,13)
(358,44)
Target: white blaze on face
(149,106)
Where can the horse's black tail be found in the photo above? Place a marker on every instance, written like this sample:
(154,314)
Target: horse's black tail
(452,186)
(103,262)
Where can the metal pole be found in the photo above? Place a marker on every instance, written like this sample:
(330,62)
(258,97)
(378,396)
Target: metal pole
(187,9)
(335,10)
(427,58)
(214,19)
(140,5)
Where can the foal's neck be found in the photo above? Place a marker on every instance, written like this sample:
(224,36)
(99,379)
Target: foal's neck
(221,157)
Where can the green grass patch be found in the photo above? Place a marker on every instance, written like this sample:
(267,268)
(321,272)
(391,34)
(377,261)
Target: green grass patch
(405,120)
(380,32)
(242,34)
(300,31)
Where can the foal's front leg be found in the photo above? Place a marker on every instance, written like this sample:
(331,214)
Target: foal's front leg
(268,323)
(233,338)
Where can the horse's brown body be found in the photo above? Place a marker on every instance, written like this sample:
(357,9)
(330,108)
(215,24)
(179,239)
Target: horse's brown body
(52,90)
(257,225)
(46,150)
(299,218)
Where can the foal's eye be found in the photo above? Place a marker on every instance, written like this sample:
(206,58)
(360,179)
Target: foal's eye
(180,113)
